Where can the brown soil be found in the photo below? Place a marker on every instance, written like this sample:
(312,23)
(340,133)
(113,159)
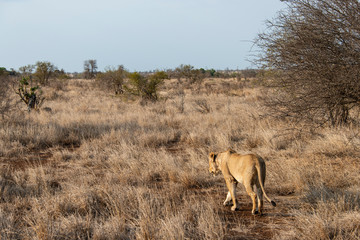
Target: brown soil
(36,158)
(241,224)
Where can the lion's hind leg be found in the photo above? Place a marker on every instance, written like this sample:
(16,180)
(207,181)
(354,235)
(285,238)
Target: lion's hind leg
(252,194)
(260,199)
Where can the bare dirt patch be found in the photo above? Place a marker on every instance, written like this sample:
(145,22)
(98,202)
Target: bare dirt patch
(34,159)
(241,224)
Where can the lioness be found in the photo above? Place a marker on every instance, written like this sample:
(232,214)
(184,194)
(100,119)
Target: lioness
(247,169)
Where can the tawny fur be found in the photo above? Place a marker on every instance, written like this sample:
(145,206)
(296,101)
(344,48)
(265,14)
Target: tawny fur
(247,169)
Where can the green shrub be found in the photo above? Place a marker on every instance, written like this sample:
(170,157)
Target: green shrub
(145,86)
(30,95)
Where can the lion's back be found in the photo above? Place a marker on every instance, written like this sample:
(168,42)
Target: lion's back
(239,165)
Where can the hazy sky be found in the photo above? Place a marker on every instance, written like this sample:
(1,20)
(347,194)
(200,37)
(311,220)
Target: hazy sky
(140,34)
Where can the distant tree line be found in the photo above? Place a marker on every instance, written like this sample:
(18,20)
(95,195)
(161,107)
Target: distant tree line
(29,80)
(145,84)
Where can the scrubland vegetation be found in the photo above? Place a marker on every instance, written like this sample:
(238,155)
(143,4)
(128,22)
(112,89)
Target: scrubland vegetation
(99,166)
(119,155)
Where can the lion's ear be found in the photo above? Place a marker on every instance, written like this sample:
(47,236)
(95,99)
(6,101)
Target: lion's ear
(231,150)
(212,155)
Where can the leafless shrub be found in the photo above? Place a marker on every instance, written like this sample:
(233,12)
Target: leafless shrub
(202,106)
(311,50)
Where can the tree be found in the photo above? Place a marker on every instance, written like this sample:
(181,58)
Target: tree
(90,67)
(312,49)
(112,79)
(43,72)
(26,71)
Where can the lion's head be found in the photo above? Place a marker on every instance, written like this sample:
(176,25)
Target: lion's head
(213,168)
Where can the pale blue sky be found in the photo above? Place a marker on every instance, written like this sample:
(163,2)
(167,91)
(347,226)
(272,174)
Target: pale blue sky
(140,34)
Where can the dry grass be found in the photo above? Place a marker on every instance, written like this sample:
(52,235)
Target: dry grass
(100,167)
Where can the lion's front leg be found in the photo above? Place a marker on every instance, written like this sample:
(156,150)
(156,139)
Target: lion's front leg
(231,184)
(228,199)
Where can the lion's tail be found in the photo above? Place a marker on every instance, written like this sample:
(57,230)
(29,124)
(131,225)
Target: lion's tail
(258,167)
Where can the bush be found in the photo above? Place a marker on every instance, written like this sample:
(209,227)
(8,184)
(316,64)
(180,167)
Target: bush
(190,74)
(30,95)
(112,79)
(145,86)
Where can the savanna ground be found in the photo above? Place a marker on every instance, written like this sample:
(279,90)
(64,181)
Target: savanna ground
(105,167)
